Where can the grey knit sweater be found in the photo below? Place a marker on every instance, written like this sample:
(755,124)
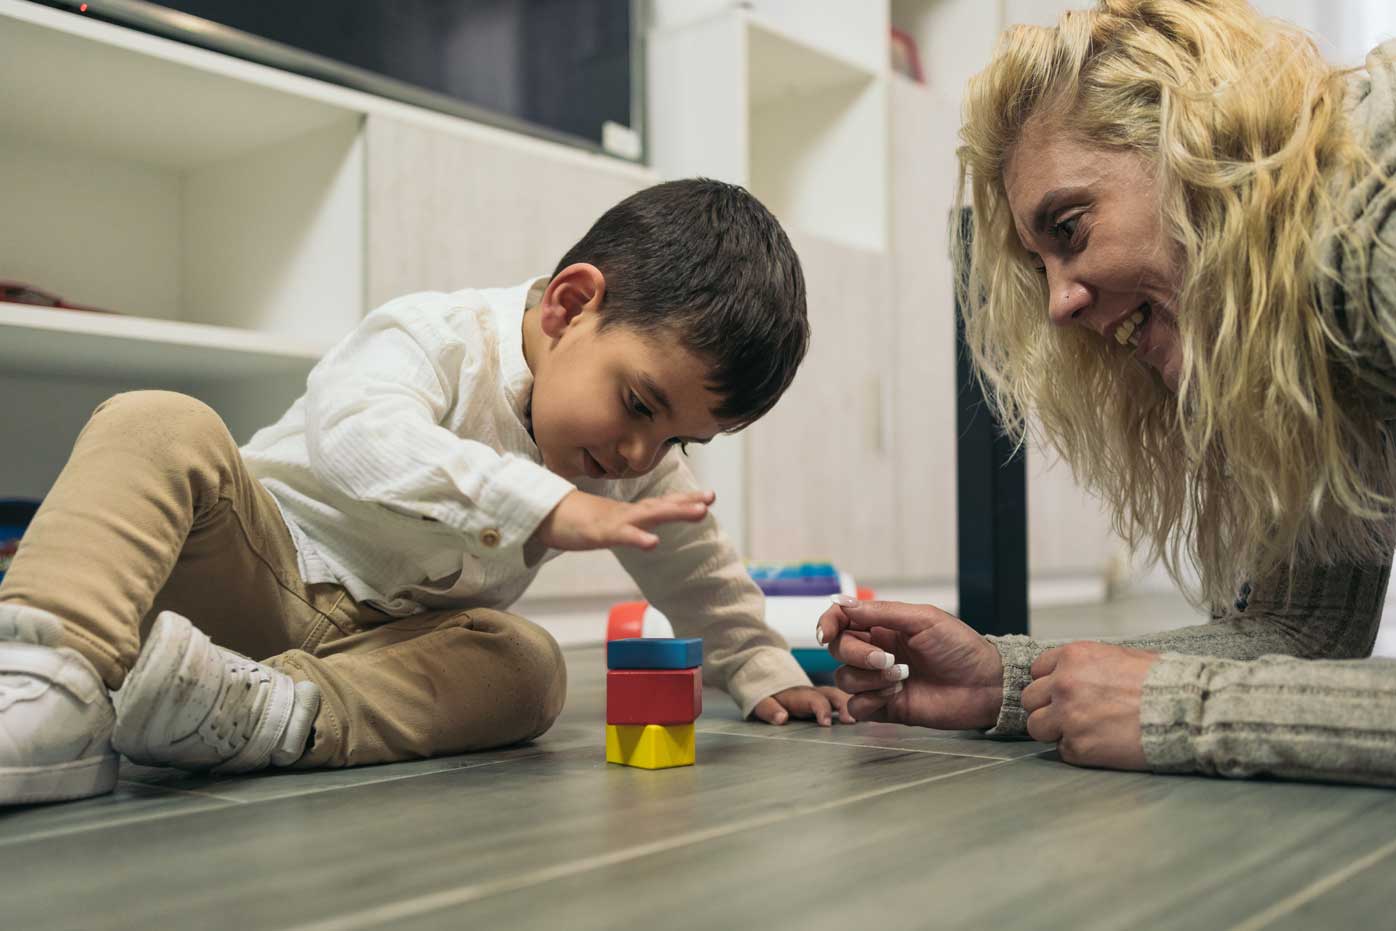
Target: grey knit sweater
(1280,686)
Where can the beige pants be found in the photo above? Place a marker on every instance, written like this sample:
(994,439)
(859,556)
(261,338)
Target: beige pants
(156,511)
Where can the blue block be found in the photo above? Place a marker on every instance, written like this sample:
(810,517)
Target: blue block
(654,653)
(814,661)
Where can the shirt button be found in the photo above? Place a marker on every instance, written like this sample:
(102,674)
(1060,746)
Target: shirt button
(489,537)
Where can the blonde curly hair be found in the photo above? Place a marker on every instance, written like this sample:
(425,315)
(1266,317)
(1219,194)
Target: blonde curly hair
(1262,460)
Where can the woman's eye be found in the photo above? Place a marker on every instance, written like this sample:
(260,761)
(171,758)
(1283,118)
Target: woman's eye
(1066,229)
(639,407)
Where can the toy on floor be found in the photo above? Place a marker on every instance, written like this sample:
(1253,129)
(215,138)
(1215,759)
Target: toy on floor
(15,515)
(796,595)
(654,693)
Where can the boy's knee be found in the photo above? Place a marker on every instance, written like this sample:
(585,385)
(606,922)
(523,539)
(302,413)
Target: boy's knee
(546,675)
(164,417)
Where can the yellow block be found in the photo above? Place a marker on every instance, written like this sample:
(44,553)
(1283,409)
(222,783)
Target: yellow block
(650,746)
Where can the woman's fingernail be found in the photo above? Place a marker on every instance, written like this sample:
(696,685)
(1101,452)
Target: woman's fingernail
(844,601)
(890,690)
(897,673)
(819,634)
(880,659)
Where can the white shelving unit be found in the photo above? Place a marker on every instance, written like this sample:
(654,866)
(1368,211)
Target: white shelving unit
(164,182)
(45,341)
(800,120)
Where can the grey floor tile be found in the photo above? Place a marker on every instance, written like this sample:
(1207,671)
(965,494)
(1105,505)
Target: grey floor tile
(130,803)
(1355,894)
(299,858)
(272,784)
(1029,844)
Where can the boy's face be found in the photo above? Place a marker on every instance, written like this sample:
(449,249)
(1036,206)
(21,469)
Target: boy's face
(609,404)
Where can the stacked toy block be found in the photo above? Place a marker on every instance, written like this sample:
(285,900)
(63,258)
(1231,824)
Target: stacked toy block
(796,595)
(654,693)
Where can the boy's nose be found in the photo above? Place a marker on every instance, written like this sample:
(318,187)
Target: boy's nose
(638,453)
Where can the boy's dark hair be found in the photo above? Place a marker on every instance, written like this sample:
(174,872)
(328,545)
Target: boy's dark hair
(707,262)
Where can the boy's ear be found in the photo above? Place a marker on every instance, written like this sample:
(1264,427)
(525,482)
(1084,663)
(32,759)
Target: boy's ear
(577,289)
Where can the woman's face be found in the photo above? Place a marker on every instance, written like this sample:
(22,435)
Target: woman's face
(1090,220)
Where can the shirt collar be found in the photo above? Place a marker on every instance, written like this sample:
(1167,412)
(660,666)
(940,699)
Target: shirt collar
(509,306)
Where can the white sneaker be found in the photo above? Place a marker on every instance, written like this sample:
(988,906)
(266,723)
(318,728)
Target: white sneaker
(55,716)
(194,705)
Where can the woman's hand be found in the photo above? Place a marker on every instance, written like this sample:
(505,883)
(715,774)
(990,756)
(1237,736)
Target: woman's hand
(818,702)
(1085,698)
(912,664)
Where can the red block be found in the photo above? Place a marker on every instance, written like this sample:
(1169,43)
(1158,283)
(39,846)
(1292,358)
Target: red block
(654,696)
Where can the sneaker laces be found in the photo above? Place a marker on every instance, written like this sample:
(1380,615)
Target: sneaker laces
(239,707)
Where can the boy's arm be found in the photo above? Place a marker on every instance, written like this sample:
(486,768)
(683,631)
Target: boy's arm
(374,408)
(697,579)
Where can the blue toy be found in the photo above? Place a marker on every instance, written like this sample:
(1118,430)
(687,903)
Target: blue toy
(654,653)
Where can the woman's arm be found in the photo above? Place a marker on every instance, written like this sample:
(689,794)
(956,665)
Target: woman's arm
(1331,612)
(1280,716)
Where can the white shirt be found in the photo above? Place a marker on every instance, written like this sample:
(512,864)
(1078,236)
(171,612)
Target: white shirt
(406,473)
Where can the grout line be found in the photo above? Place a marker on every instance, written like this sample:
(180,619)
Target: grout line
(214,805)
(1293,902)
(229,801)
(436,901)
(194,792)
(844,743)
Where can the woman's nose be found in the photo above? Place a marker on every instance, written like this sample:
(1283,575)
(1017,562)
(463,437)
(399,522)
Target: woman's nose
(1067,299)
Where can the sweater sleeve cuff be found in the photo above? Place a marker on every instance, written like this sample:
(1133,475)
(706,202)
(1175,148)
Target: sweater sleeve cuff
(515,501)
(1170,712)
(768,671)
(1017,654)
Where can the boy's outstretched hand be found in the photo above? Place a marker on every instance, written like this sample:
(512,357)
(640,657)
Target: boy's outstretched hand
(804,701)
(590,522)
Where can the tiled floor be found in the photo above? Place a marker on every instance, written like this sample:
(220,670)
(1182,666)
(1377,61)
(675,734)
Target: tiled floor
(866,826)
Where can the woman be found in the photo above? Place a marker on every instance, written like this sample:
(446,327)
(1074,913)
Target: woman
(1207,213)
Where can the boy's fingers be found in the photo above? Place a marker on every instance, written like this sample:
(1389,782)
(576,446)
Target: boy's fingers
(770,711)
(634,536)
(655,512)
(869,706)
(820,709)
(839,700)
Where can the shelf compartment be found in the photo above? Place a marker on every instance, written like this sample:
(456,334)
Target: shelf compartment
(46,341)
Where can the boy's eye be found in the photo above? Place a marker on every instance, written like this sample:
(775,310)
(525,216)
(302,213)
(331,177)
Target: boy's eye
(639,407)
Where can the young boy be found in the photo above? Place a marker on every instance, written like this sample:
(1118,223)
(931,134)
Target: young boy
(368,543)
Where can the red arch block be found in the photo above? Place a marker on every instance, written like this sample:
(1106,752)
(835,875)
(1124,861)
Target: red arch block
(627,619)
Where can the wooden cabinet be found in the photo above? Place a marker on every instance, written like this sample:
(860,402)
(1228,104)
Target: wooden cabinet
(451,207)
(821,465)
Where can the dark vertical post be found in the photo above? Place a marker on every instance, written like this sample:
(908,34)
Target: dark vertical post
(992,495)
